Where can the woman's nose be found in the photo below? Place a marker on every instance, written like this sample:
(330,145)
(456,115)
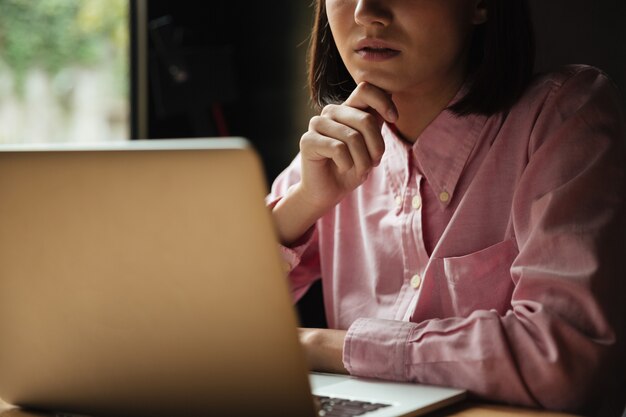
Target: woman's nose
(372,13)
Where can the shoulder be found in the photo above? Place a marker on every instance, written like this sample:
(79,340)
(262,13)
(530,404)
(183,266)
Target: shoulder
(566,73)
(569,88)
(580,97)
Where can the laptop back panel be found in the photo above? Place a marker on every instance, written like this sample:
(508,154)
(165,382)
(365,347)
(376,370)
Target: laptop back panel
(130,280)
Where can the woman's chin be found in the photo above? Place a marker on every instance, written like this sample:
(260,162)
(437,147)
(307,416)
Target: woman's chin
(385,83)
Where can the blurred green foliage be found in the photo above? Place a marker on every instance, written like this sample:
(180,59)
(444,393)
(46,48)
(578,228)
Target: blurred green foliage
(55,34)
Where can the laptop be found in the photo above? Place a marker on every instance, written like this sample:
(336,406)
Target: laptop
(143,278)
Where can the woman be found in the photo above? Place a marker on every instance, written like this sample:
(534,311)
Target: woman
(455,208)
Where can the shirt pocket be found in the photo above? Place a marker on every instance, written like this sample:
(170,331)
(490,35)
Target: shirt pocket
(481,280)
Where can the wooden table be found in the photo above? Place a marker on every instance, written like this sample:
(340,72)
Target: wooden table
(465,409)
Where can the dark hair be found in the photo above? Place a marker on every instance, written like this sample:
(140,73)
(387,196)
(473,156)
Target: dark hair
(500,64)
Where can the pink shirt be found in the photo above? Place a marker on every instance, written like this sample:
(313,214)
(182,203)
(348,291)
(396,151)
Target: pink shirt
(482,256)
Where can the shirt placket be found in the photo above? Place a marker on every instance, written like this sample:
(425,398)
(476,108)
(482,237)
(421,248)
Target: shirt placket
(414,255)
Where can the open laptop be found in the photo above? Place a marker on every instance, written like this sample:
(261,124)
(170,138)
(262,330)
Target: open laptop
(143,279)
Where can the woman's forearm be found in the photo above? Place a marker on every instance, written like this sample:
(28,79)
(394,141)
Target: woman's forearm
(294,215)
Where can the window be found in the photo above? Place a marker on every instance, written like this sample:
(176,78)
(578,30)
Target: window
(64,71)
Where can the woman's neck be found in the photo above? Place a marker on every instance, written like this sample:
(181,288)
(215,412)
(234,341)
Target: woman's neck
(417,110)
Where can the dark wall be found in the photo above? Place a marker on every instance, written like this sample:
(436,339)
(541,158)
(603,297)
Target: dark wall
(582,32)
(226,68)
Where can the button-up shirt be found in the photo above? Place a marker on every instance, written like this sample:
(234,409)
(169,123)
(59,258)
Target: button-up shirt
(483,255)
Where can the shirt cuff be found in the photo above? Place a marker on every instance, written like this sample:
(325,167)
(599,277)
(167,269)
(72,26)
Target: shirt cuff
(292,255)
(376,348)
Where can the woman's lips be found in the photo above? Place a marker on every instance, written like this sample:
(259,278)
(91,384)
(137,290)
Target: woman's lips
(377,54)
(375,50)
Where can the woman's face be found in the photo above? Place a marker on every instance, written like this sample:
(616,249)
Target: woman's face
(405,45)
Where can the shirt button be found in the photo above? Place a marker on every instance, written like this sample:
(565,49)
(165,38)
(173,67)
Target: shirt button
(417,202)
(416,281)
(398,201)
(444,197)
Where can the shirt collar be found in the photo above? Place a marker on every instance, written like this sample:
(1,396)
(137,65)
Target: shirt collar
(441,152)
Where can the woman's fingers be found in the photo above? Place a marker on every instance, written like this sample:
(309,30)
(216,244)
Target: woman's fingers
(365,146)
(317,147)
(358,126)
(349,134)
(363,113)
(367,96)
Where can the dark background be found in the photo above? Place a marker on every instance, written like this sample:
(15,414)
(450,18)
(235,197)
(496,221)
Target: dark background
(582,32)
(227,68)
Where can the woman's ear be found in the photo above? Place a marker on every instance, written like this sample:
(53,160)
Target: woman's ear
(480,12)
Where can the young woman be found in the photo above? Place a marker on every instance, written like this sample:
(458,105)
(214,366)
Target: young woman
(460,213)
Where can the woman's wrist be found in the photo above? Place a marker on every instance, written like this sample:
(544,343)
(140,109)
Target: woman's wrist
(324,349)
(295,214)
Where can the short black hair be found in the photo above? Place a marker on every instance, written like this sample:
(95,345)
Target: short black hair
(500,65)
